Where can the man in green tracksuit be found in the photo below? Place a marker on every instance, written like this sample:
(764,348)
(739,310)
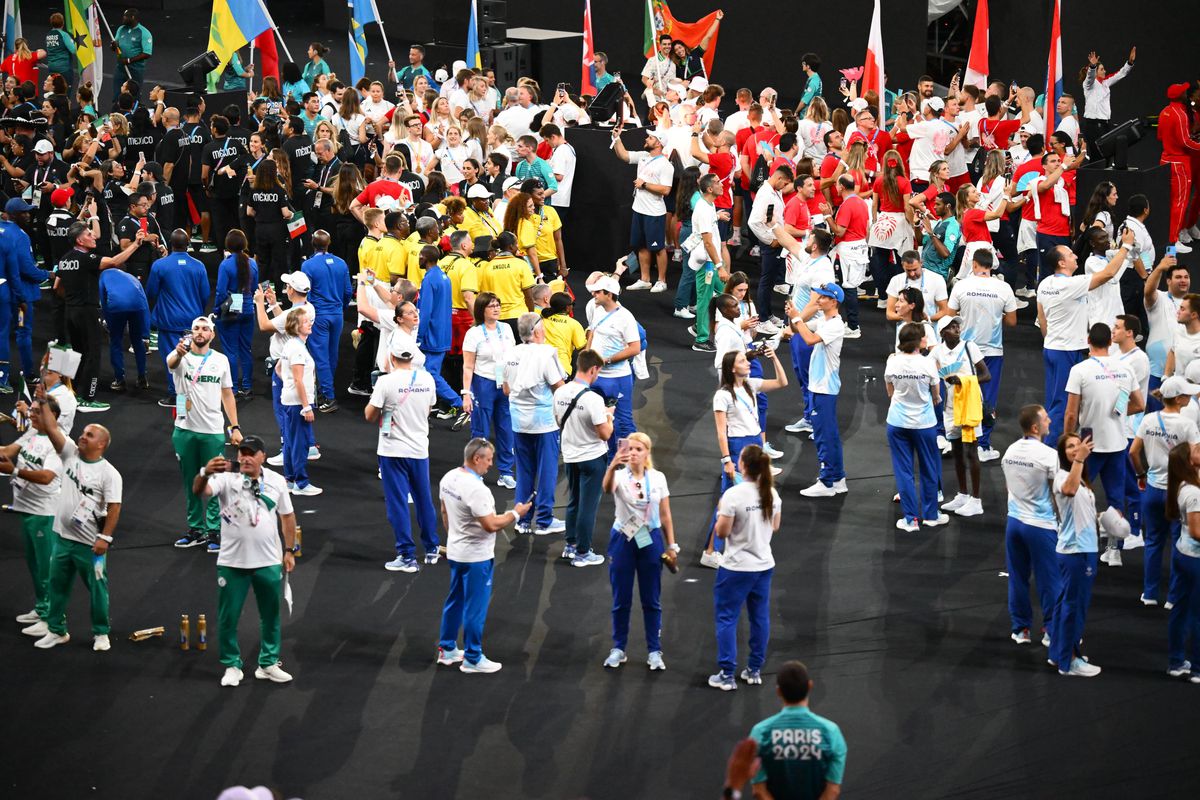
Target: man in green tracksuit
(35,469)
(89,505)
(60,50)
(203,385)
(253,502)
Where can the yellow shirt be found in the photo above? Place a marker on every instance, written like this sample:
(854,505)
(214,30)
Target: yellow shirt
(567,336)
(414,245)
(464,277)
(368,254)
(481,224)
(548,223)
(527,232)
(508,277)
(393,259)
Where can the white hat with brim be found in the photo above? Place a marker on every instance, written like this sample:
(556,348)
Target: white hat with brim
(606,283)
(298,281)
(478,190)
(945,322)
(1175,386)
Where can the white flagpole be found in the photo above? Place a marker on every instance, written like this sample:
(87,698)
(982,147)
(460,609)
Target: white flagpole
(379,18)
(252,65)
(275,27)
(111,35)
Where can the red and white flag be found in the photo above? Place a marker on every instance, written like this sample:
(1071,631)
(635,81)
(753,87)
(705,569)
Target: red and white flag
(873,66)
(587,84)
(1054,75)
(977,62)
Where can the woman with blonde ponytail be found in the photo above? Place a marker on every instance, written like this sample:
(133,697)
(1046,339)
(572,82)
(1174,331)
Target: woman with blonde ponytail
(747,516)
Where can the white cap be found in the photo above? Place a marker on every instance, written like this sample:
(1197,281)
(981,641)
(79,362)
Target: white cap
(605,283)
(935,103)
(441,76)
(478,190)
(511,183)
(677,85)
(1192,372)
(203,322)
(1112,523)
(569,113)
(298,281)
(1175,386)
(698,84)
(858,104)
(402,350)
(1029,128)
(43,146)
(945,322)
(458,66)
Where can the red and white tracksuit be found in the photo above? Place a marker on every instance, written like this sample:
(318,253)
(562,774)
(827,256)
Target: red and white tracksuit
(1180,151)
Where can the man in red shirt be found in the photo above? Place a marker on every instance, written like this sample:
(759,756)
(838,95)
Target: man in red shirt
(878,141)
(388,186)
(1052,207)
(1027,246)
(829,165)
(850,228)
(994,131)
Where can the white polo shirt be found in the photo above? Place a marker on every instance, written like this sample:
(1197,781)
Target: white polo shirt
(201,379)
(491,347)
(932,286)
(1160,432)
(741,409)
(613,331)
(651,169)
(825,363)
(1100,384)
(982,302)
(1029,468)
(36,453)
(87,489)
(912,377)
(1164,324)
(404,398)
(250,518)
(530,372)
(1064,300)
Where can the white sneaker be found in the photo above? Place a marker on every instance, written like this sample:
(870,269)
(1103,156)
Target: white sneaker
(483,665)
(770,450)
(988,454)
(972,508)
(1022,304)
(840,486)
(1133,542)
(448,658)
(852,333)
(942,519)
(273,673)
(28,617)
(776,472)
(943,444)
(507,482)
(615,658)
(799,426)
(818,489)
(904,525)
(100,644)
(38,629)
(1081,669)
(276,460)
(1185,235)
(637,286)
(1148,601)
(1021,636)
(784,289)
(677,256)
(711,560)
(1025,294)
(314,453)
(232,677)
(1167,606)
(52,639)
(307,491)
(1182,247)
(956,503)
(655,661)
(683,313)
(766,329)
(881,305)
(659,286)
(1114,557)
(1046,640)
(1181,670)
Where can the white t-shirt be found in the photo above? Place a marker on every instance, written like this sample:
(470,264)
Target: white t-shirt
(982,302)
(727,337)
(748,546)
(87,489)
(350,126)
(491,350)
(404,397)
(1064,300)
(202,379)
(812,138)
(932,286)
(530,372)
(36,453)
(450,161)
(279,322)
(1164,324)
(639,498)
(1100,383)
(929,144)
(704,220)
(579,441)
(249,521)
(393,337)
(67,404)
(1189,501)
(1160,432)
(466,498)
(295,352)
(959,362)
(660,71)
(912,377)
(612,332)
(1029,468)
(930,333)
(518,121)
(374,110)
(741,409)
(562,162)
(1137,362)
(656,170)
(1076,518)
(826,359)
(1104,302)
(809,275)
(1070,126)
(1186,349)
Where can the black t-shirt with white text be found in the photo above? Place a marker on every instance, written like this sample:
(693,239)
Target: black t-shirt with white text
(219,154)
(79,274)
(268,205)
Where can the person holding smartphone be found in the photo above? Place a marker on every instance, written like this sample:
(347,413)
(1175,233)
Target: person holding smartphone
(1078,541)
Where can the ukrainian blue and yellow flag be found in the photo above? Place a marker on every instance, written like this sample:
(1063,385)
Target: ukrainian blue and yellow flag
(362,13)
(473,60)
(234,24)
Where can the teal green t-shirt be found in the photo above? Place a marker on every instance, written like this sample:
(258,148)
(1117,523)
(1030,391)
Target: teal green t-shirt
(800,753)
(949,231)
(60,51)
(135,41)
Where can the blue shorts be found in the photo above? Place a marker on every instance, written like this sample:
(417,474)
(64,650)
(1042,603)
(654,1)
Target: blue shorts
(647,233)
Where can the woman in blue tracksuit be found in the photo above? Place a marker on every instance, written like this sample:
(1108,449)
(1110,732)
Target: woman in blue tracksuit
(1078,547)
(735,414)
(237,277)
(485,350)
(747,518)
(912,385)
(1183,498)
(642,538)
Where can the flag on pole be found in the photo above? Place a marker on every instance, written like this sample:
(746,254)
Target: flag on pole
(97,49)
(234,24)
(587,84)
(873,71)
(265,43)
(12,25)
(78,14)
(1054,73)
(659,21)
(977,61)
(473,59)
(362,13)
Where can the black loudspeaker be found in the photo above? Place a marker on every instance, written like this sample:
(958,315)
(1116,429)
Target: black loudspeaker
(492,31)
(494,9)
(501,58)
(606,103)
(214,102)
(195,72)
(523,60)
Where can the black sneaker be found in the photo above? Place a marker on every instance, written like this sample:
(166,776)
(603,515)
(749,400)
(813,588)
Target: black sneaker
(117,386)
(445,413)
(360,391)
(142,383)
(243,394)
(461,420)
(193,538)
(704,347)
(166,402)
(213,543)
(326,406)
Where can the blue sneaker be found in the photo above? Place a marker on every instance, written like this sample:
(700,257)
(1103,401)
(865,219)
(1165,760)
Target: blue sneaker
(556,526)
(402,564)
(723,681)
(569,551)
(588,559)
(214,543)
(193,538)
(751,676)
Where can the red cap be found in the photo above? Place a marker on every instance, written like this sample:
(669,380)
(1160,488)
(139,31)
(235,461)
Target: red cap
(1176,91)
(444,244)
(61,198)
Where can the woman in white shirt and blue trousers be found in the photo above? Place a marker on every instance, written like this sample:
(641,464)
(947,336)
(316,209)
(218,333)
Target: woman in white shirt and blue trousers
(1078,555)
(913,386)
(1183,505)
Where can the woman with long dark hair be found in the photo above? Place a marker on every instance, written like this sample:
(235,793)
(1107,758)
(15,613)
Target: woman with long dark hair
(747,517)
(315,66)
(347,230)
(1100,208)
(267,203)
(686,197)
(237,277)
(1183,508)
(1077,549)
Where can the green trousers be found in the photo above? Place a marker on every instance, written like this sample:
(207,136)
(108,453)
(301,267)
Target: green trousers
(194,450)
(39,547)
(71,557)
(708,286)
(232,585)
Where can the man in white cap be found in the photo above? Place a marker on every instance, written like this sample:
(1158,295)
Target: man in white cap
(648,234)
(614,334)
(204,386)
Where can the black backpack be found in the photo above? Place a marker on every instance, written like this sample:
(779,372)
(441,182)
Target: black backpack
(759,173)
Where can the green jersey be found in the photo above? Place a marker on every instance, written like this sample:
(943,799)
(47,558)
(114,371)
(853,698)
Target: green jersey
(800,753)
(60,51)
